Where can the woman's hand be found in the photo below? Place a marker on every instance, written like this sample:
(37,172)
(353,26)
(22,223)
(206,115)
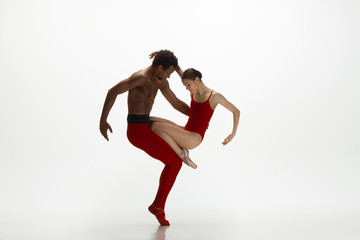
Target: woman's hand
(220,99)
(152,55)
(228,139)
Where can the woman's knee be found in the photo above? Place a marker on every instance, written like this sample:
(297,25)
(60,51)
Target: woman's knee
(155,126)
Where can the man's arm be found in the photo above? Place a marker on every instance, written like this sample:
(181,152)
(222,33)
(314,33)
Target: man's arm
(173,100)
(121,87)
(179,71)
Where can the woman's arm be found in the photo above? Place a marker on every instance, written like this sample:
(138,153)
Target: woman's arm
(220,99)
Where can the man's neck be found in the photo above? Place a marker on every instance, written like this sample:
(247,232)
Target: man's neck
(151,72)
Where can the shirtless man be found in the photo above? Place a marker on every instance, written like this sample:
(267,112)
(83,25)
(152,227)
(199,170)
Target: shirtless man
(143,86)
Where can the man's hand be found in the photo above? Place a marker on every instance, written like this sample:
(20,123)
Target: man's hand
(152,55)
(104,126)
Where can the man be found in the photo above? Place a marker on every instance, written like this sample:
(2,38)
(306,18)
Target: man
(143,86)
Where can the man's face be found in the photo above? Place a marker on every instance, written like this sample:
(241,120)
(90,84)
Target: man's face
(166,73)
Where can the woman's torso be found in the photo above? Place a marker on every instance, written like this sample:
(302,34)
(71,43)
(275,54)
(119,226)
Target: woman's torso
(200,115)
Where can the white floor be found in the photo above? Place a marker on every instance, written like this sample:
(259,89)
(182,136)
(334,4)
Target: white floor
(251,225)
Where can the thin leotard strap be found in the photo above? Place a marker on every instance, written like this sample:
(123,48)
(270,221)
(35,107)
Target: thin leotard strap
(210,94)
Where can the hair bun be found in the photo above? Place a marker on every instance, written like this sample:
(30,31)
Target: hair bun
(191,73)
(199,73)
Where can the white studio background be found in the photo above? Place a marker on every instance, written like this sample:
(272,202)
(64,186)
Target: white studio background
(291,67)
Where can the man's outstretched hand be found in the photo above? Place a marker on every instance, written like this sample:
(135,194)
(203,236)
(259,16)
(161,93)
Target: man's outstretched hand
(104,126)
(152,55)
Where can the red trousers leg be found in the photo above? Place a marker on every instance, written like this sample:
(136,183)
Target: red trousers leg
(141,136)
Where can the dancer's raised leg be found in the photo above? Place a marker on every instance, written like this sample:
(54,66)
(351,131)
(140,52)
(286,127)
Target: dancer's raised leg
(183,138)
(178,139)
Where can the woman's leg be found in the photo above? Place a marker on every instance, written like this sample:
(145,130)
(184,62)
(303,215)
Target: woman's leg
(178,139)
(183,138)
(182,153)
(163,120)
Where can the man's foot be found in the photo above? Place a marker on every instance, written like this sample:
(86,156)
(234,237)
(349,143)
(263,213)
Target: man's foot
(159,214)
(187,160)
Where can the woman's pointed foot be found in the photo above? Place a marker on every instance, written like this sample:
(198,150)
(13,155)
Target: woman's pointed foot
(159,214)
(188,160)
(183,157)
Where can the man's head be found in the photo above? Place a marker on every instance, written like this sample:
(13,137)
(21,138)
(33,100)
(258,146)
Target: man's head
(165,63)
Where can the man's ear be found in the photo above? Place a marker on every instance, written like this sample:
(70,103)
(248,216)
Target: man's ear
(160,68)
(197,79)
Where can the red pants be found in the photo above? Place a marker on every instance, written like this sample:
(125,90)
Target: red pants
(141,136)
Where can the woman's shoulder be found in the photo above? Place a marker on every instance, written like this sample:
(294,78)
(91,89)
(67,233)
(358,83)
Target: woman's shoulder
(215,96)
(215,99)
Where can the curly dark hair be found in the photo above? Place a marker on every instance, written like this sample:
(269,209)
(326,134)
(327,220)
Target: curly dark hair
(166,59)
(191,73)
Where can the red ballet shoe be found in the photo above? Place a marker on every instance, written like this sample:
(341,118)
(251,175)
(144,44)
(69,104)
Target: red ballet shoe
(159,214)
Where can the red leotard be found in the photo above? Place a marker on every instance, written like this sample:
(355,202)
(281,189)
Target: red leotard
(199,117)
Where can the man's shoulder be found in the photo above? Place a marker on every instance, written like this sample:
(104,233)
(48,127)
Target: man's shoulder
(138,76)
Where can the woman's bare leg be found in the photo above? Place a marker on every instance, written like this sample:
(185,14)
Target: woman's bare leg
(178,139)
(163,120)
(182,153)
(155,127)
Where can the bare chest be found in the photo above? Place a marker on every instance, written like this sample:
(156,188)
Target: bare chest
(143,95)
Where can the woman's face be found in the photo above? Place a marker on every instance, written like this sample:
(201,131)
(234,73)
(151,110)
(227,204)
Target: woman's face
(190,85)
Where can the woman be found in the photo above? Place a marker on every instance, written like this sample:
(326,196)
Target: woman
(203,103)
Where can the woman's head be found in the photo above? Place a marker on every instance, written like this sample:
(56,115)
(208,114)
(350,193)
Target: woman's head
(191,78)
(191,74)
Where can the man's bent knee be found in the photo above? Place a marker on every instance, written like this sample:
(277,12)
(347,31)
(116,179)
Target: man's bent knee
(177,163)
